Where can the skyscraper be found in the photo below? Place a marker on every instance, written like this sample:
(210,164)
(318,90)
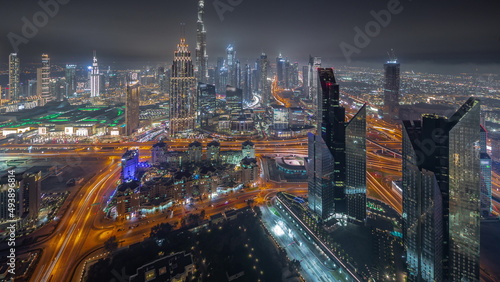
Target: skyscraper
(32,189)
(14,72)
(182,91)
(247,84)
(206,102)
(337,186)
(355,151)
(234,99)
(320,186)
(231,65)
(265,89)
(45,79)
(391,89)
(294,75)
(312,79)
(132,107)
(217,75)
(95,84)
(305,80)
(441,195)
(280,70)
(237,74)
(422,209)
(70,80)
(201,45)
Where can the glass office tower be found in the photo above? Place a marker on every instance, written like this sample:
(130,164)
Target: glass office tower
(449,149)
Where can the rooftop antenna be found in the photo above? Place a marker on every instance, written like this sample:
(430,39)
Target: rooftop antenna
(392,56)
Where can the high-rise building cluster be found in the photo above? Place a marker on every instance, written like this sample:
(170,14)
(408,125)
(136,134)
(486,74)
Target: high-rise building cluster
(337,157)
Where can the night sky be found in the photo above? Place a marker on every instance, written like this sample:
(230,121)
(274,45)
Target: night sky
(437,32)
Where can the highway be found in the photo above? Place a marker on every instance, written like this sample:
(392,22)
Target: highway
(74,229)
(315,265)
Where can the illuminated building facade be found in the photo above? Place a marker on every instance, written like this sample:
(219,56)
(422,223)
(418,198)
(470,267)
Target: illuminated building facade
(70,80)
(195,152)
(231,65)
(159,153)
(319,166)
(247,84)
(206,102)
(234,99)
(280,70)
(95,84)
(43,79)
(249,171)
(14,72)
(248,149)
(201,45)
(182,97)
(213,151)
(265,87)
(355,151)
(130,162)
(441,192)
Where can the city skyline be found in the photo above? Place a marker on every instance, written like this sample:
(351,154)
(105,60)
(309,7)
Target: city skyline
(289,140)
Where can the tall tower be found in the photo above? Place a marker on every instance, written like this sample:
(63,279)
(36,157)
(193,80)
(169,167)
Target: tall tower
(132,107)
(95,78)
(391,88)
(70,80)
(45,79)
(32,186)
(280,70)
(201,45)
(182,91)
(313,84)
(265,90)
(247,83)
(441,195)
(337,157)
(231,65)
(14,72)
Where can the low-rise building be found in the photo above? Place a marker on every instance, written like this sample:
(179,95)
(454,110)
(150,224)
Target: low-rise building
(174,268)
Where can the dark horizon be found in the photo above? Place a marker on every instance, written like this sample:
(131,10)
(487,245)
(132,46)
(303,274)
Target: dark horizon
(438,35)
